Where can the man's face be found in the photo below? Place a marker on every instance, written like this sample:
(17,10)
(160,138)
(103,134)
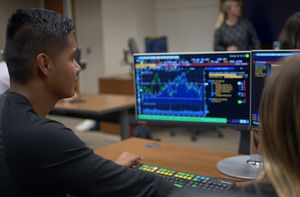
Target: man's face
(65,71)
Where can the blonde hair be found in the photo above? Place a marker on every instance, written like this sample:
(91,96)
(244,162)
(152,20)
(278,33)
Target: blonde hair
(223,12)
(280,128)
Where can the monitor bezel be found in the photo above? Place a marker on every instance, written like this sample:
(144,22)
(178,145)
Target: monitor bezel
(215,125)
(253,126)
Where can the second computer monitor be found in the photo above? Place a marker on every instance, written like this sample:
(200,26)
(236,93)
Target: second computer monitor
(158,44)
(263,63)
(207,88)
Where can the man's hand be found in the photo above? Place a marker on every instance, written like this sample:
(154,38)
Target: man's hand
(128,159)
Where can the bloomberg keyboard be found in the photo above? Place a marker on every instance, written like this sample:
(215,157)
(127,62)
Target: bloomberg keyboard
(182,179)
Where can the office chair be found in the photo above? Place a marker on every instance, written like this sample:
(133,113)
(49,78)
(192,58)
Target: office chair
(195,130)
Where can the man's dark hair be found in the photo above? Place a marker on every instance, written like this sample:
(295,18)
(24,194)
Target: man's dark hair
(31,31)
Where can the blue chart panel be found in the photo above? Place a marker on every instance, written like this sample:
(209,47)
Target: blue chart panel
(167,91)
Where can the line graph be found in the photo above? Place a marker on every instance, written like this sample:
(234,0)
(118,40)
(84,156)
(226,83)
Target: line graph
(173,92)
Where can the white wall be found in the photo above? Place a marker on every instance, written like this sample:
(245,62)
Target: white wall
(7,7)
(104,26)
(123,19)
(188,24)
(145,21)
(90,41)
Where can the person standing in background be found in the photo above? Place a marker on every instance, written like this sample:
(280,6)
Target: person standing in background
(233,32)
(290,35)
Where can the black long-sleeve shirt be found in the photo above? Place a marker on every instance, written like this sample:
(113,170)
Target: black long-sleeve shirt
(258,188)
(242,35)
(41,157)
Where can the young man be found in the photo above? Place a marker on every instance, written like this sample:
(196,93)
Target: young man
(41,157)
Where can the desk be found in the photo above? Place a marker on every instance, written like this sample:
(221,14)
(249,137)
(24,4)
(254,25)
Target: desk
(119,84)
(178,157)
(112,108)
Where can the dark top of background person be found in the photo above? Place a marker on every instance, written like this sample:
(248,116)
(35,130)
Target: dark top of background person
(41,156)
(290,34)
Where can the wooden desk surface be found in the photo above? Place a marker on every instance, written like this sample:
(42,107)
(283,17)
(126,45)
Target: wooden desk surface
(97,103)
(178,157)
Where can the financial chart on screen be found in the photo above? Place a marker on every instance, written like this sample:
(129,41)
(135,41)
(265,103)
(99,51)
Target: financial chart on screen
(211,88)
(264,62)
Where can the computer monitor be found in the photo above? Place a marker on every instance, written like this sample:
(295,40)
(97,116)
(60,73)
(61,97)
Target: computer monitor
(203,88)
(263,63)
(157,44)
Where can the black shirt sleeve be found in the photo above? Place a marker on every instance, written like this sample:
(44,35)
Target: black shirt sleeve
(54,160)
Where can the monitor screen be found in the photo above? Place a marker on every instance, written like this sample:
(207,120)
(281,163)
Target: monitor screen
(206,88)
(263,63)
(156,44)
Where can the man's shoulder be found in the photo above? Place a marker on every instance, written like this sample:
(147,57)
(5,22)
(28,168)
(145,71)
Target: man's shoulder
(21,125)
(35,130)
(46,127)
(24,130)
(17,114)
(47,124)
(41,137)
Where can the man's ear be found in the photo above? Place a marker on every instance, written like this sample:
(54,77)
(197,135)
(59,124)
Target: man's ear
(43,64)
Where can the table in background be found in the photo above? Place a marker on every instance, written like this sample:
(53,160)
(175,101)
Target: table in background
(107,107)
(118,84)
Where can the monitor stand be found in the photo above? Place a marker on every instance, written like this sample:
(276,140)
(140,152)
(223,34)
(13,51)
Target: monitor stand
(245,166)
